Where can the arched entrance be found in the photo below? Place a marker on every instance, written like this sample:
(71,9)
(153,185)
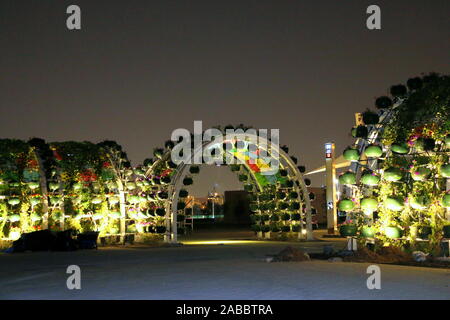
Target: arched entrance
(280,200)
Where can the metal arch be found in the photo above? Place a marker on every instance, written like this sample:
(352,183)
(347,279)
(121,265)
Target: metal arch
(175,185)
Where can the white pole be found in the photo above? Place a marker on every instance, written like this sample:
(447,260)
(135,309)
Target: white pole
(331,189)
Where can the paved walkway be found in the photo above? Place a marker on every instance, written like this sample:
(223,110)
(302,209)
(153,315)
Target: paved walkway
(226,270)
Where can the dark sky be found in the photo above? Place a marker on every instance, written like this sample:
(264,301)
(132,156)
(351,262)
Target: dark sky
(139,69)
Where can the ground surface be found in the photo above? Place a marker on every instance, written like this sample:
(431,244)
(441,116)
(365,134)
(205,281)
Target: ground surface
(233,270)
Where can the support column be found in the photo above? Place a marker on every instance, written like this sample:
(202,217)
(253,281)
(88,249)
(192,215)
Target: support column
(331,188)
(123,214)
(44,191)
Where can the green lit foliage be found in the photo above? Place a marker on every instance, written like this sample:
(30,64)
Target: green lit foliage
(410,199)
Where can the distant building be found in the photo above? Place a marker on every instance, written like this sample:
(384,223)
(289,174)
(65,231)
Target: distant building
(319,204)
(237,207)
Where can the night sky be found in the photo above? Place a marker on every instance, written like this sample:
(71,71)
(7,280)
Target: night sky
(139,69)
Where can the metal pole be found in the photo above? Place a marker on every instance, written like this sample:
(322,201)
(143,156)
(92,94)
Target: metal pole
(331,189)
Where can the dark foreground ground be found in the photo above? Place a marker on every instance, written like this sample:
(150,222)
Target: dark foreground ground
(215,269)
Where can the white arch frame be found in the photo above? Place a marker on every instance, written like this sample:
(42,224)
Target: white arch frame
(182,170)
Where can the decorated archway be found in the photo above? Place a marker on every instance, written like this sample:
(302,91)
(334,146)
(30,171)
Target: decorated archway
(280,201)
(88,187)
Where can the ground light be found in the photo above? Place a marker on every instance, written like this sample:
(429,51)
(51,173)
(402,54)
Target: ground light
(216,242)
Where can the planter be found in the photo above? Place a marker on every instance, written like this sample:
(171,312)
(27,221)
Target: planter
(160,212)
(288,184)
(446,230)
(53,186)
(394,204)
(256,228)
(348,230)
(447,141)
(131,185)
(243,177)
(398,90)
(346,205)
(400,148)
(419,202)
(33,185)
(187,181)
(114,215)
(97,216)
(370,179)
(172,165)
(35,201)
(420,174)
(446,201)
(248,187)
(235,167)
(160,229)
(351,154)
(373,151)
(158,153)
(347,178)
(368,232)
(294,206)
(78,186)
(445,170)
(162,195)
(393,232)
(370,118)
(274,229)
(107,174)
(14,201)
(183,193)
(96,200)
(293,195)
(392,174)
(255,218)
(14,218)
(165,180)
(281,195)
(425,144)
(113,200)
(275,218)
(133,199)
(283,205)
(360,132)
(369,204)
(383,102)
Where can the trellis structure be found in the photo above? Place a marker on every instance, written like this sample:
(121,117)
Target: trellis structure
(92,187)
(397,186)
(289,214)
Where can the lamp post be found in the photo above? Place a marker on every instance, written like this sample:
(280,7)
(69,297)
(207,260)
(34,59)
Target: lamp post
(330,170)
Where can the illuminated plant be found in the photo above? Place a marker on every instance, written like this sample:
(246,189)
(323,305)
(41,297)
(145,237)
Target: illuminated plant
(401,159)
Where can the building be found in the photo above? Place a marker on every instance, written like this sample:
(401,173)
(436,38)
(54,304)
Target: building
(319,204)
(237,207)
